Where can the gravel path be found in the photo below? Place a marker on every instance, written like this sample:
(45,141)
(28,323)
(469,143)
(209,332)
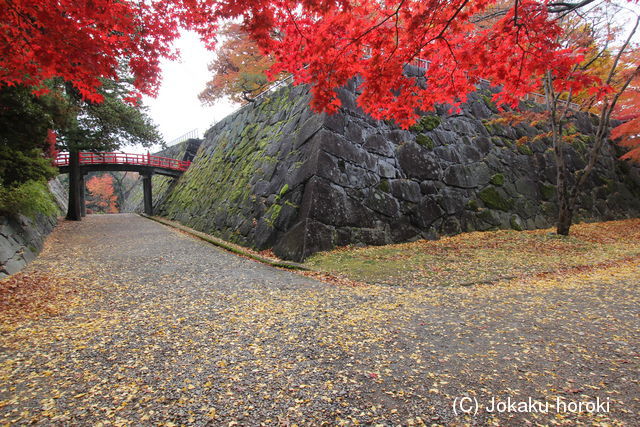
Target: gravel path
(166,329)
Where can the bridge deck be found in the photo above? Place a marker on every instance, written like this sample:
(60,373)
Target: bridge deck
(124,162)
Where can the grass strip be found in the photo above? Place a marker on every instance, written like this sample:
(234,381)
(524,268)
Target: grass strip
(228,246)
(483,257)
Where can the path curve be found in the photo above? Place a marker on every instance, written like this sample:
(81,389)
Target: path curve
(165,328)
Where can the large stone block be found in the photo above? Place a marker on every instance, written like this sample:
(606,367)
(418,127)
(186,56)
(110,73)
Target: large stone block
(329,203)
(344,173)
(418,162)
(340,147)
(427,212)
(405,189)
(7,249)
(452,200)
(382,203)
(21,238)
(467,176)
(377,143)
(303,239)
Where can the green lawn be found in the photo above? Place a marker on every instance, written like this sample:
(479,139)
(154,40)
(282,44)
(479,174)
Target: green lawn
(483,256)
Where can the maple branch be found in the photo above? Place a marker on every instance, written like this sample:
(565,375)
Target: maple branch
(27,19)
(604,120)
(295,23)
(397,36)
(622,49)
(603,127)
(497,13)
(376,26)
(596,57)
(453,55)
(565,7)
(442,31)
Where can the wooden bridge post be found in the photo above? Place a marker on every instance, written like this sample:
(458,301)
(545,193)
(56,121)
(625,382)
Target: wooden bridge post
(74,212)
(148,195)
(83,196)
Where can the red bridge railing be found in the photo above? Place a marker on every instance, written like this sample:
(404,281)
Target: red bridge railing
(88,158)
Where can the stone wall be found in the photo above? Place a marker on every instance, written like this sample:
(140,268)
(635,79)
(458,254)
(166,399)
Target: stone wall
(275,175)
(185,150)
(246,181)
(22,237)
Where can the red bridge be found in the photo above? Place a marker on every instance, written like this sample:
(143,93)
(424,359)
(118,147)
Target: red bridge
(78,164)
(124,162)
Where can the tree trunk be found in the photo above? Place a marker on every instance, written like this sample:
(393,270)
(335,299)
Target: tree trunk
(565,216)
(565,205)
(566,202)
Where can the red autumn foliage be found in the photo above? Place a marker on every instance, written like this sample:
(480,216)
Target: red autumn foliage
(82,41)
(31,295)
(324,43)
(50,144)
(628,133)
(102,197)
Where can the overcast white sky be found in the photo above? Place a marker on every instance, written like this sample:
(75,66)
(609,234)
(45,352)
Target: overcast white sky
(177,109)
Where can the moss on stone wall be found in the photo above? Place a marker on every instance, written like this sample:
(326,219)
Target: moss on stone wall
(489,102)
(547,191)
(524,149)
(233,185)
(283,190)
(425,141)
(494,200)
(497,179)
(272,214)
(160,184)
(426,123)
(472,205)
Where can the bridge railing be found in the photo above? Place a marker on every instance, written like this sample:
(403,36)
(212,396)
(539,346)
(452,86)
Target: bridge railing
(89,158)
(192,134)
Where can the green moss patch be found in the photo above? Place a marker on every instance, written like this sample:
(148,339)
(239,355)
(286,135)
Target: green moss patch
(29,198)
(497,179)
(272,214)
(430,122)
(547,191)
(426,123)
(516,223)
(490,103)
(384,186)
(425,141)
(492,128)
(492,199)
(473,205)
(217,189)
(524,149)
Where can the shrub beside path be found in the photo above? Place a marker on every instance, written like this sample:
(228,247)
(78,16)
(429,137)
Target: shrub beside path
(124,321)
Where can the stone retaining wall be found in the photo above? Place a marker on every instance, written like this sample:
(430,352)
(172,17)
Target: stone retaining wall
(276,175)
(21,238)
